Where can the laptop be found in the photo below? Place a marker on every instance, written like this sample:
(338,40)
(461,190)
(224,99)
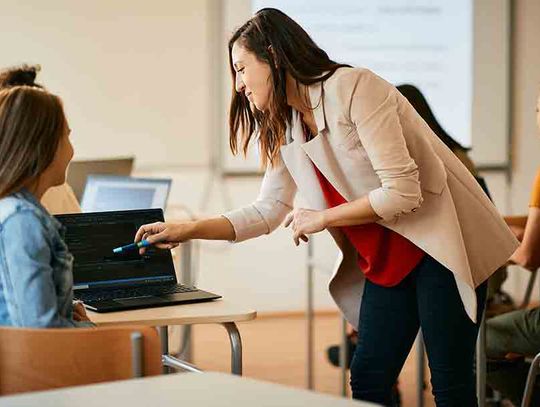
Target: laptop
(105,281)
(114,193)
(79,170)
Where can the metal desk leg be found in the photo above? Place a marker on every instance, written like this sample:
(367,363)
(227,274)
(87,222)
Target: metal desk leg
(236,347)
(481,363)
(343,357)
(171,361)
(186,267)
(309,316)
(420,369)
(164,337)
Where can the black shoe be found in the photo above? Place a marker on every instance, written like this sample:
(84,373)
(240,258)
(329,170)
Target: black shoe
(333,353)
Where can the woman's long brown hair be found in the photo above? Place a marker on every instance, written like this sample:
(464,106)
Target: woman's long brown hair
(286,47)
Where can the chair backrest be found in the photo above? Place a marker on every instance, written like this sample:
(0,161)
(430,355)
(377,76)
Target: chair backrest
(41,359)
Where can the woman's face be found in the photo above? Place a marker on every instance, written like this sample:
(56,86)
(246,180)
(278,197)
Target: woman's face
(56,172)
(252,76)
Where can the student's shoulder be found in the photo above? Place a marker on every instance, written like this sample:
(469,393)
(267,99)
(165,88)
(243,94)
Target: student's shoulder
(16,209)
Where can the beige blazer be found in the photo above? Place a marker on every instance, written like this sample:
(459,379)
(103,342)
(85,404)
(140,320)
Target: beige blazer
(372,142)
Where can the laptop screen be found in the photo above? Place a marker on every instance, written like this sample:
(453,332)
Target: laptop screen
(112,193)
(79,170)
(91,238)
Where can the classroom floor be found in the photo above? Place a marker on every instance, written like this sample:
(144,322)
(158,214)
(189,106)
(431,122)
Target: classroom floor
(274,350)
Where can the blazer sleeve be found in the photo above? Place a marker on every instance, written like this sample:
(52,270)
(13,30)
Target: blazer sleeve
(274,202)
(373,111)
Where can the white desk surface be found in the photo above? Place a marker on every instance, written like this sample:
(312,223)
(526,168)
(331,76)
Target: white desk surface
(210,312)
(184,390)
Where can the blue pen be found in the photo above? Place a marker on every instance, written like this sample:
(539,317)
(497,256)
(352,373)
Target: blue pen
(132,246)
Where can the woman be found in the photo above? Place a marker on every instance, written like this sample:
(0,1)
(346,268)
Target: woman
(415,232)
(35,265)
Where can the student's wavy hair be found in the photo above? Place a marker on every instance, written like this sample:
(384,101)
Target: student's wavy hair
(32,123)
(279,41)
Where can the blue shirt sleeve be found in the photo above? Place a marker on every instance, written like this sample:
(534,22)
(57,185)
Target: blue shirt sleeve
(27,275)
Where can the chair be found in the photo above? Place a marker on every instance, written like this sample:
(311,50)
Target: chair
(535,364)
(41,359)
(531,380)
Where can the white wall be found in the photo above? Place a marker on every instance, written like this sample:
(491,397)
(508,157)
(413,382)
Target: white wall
(133,73)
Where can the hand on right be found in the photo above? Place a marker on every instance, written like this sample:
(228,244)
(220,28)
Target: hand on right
(163,235)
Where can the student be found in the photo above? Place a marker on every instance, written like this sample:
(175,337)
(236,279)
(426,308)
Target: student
(58,199)
(417,236)
(518,332)
(35,264)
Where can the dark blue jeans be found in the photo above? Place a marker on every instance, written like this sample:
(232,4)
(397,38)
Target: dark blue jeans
(390,318)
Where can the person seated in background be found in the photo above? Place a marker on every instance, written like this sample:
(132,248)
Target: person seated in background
(58,199)
(518,332)
(36,286)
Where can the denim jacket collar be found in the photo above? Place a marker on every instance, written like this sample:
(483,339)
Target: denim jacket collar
(31,198)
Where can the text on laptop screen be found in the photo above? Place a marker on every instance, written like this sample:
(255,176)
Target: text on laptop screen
(91,238)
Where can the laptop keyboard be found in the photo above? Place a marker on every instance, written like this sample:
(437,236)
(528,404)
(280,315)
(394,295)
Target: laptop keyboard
(134,292)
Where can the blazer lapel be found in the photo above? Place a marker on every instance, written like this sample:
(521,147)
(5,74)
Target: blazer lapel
(320,151)
(300,167)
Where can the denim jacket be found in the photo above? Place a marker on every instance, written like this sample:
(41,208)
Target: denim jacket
(36,281)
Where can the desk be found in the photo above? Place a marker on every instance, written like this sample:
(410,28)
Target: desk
(212,312)
(183,389)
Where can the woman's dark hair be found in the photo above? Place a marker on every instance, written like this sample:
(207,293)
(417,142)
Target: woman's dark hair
(32,123)
(279,41)
(420,104)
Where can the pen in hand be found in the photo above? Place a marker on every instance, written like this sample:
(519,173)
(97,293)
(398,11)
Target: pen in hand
(132,246)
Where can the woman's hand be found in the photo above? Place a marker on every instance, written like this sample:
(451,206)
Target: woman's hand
(304,222)
(79,312)
(164,235)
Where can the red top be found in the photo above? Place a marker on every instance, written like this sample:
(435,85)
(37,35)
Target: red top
(384,256)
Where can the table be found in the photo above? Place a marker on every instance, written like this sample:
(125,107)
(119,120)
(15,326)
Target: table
(221,312)
(182,389)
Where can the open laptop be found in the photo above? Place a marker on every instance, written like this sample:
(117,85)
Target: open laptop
(112,282)
(114,193)
(79,170)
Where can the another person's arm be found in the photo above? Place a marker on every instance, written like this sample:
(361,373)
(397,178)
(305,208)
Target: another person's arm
(166,235)
(274,202)
(27,276)
(527,254)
